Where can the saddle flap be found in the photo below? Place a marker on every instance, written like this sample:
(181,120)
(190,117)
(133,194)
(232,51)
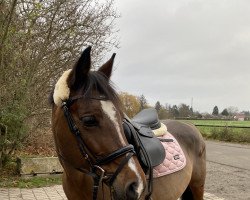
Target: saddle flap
(147,146)
(154,150)
(146,132)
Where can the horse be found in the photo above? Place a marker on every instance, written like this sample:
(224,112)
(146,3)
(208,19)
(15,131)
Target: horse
(98,161)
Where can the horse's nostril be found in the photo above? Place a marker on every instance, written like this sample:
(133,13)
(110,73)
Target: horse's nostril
(131,192)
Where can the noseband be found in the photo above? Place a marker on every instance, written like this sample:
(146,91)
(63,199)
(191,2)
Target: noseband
(96,171)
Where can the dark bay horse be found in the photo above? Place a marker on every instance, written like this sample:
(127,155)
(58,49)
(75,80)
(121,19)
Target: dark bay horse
(98,162)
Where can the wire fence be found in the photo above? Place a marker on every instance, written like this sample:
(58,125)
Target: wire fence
(221,126)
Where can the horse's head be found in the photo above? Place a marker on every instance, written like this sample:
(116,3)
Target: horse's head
(88,132)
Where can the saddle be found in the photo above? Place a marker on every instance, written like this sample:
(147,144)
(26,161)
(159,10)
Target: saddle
(138,131)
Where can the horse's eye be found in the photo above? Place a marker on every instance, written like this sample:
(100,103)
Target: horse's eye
(89,121)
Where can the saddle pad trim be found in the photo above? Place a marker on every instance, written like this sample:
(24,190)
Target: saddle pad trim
(175,159)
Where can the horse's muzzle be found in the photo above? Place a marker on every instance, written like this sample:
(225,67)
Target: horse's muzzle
(131,191)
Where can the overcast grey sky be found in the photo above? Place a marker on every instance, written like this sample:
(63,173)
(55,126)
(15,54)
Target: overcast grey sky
(176,50)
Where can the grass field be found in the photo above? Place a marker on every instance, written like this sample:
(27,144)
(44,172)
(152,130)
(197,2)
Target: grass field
(33,182)
(219,123)
(10,178)
(230,131)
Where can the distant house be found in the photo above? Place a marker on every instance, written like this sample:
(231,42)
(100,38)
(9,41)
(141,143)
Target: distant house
(240,117)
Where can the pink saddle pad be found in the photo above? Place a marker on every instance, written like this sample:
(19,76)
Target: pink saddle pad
(175,159)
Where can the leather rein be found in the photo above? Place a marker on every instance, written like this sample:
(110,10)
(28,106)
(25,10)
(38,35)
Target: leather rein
(96,171)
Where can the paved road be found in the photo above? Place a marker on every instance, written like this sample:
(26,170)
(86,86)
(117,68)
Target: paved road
(50,193)
(234,155)
(228,170)
(221,153)
(45,193)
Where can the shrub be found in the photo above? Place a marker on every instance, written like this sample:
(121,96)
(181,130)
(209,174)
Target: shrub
(13,131)
(226,134)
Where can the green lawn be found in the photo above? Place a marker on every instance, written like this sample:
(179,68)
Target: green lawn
(10,178)
(32,182)
(222,130)
(219,123)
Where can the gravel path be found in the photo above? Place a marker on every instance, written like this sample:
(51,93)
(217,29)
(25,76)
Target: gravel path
(228,182)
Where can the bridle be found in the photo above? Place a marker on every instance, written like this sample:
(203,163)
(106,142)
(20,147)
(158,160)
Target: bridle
(98,174)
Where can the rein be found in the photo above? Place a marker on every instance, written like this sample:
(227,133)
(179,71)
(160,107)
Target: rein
(96,171)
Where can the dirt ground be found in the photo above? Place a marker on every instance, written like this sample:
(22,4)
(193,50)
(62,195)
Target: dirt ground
(228,182)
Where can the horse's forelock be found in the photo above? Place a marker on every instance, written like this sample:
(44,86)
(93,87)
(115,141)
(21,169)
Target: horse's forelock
(98,81)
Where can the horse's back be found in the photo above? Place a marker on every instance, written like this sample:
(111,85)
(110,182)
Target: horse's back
(187,135)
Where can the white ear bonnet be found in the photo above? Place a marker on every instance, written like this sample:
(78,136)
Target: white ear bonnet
(61,91)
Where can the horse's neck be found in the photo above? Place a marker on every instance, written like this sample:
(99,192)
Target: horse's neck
(80,186)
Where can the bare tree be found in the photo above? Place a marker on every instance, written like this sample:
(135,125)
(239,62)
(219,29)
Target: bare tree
(39,40)
(184,110)
(131,103)
(232,110)
(143,102)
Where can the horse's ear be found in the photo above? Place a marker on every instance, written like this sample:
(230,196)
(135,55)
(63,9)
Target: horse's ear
(80,70)
(106,68)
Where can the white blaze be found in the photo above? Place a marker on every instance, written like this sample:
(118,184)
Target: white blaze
(109,109)
(131,164)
